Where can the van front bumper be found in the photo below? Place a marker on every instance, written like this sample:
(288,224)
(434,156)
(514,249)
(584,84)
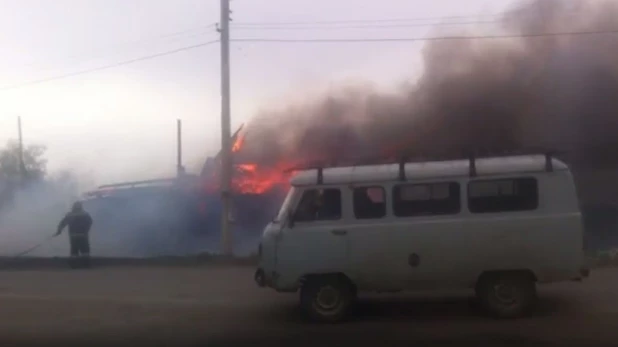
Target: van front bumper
(264,279)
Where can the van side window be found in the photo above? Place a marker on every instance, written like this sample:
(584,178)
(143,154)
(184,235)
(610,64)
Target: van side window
(520,194)
(319,204)
(369,202)
(410,200)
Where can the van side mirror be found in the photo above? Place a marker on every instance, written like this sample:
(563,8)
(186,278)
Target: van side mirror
(290,219)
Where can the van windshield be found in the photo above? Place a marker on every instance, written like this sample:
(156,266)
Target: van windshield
(285,206)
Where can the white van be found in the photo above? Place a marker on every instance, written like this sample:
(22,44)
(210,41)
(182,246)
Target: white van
(498,225)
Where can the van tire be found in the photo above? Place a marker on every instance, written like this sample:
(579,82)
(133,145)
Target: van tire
(507,295)
(326,299)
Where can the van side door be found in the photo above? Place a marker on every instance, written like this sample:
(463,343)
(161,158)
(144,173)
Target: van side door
(429,242)
(314,240)
(372,262)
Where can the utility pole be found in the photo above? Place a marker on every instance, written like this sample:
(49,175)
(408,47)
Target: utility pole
(226,145)
(22,166)
(179,169)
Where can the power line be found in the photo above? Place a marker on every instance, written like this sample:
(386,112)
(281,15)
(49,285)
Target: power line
(437,38)
(276,40)
(188,33)
(439,20)
(105,67)
(364,21)
(366,26)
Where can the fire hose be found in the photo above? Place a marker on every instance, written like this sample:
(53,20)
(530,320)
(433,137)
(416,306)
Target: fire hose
(29,250)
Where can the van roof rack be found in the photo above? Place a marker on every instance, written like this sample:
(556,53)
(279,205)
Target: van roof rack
(134,184)
(471,156)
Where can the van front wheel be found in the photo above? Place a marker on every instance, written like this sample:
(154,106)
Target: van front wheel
(507,295)
(326,298)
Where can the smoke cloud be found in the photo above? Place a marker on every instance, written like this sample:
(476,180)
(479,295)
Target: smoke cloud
(501,94)
(33,213)
(137,224)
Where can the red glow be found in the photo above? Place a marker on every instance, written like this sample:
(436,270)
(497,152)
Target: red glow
(240,140)
(252,179)
(247,167)
(248,178)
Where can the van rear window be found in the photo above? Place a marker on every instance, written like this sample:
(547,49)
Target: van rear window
(410,200)
(504,195)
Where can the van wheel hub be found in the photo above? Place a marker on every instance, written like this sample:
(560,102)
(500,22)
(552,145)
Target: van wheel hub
(328,298)
(506,294)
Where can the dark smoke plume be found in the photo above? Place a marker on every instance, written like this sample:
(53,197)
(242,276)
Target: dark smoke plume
(556,91)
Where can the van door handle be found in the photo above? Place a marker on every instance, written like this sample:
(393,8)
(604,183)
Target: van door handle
(339,232)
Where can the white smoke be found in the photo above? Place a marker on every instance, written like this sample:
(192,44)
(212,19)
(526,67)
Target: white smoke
(33,214)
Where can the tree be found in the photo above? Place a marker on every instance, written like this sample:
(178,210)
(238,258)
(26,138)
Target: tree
(11,177)
(35,164)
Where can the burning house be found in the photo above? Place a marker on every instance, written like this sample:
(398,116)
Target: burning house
(181,215)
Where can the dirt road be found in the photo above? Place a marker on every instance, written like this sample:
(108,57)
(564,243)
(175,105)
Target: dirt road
(222,307)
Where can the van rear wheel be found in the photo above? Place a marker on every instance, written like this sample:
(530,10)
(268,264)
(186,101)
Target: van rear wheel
(326,298)
(507,295)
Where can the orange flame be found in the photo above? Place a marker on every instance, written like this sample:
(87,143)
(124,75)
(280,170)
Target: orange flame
(249,178)
(247,167)
(252,179)
(240,140)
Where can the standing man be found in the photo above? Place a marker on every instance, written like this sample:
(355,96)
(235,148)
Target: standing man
(79,223)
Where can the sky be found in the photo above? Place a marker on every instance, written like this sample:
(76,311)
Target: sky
(118,123)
